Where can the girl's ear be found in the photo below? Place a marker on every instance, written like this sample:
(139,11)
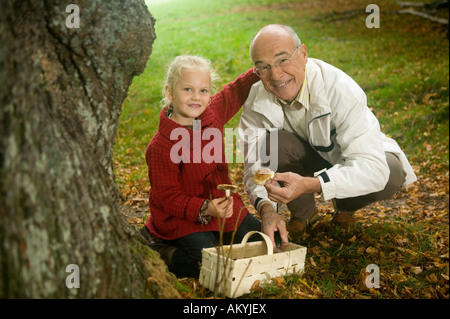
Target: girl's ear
(169,93)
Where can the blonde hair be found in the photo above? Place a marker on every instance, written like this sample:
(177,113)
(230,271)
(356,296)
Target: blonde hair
(188,63)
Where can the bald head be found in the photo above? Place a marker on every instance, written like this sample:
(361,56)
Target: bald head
(272,31)
(279,59)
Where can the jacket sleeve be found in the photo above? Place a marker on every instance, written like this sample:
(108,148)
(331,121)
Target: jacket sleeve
(252,134)
(227,102)
(363,168)
(166,189)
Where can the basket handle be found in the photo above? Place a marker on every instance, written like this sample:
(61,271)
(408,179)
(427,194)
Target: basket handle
(264,236)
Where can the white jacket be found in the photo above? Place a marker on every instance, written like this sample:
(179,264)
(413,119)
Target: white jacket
(341,128)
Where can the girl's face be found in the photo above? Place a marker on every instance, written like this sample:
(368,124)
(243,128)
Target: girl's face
(190,96)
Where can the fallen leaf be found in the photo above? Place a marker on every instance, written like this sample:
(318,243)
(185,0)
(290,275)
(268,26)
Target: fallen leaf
(303,282)
(400,240)
(352,240)
(324,244)
(440,264)
(361,250)
(408,293)
(279,281)
(399,278)
(186,295)
(415,270)
(427,98)
(427,146)
(371,250)
(363,274)
(256,287)
(432,278)
(412,252)
(302,294)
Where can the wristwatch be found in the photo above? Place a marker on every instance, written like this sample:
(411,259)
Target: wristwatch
(202,217)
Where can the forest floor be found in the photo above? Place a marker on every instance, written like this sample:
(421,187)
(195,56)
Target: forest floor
(402,66)
(407,237)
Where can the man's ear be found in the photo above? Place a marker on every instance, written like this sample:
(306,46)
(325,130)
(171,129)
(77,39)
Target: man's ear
(304,52)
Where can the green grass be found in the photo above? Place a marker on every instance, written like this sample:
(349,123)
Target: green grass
(403,67)
(397,65)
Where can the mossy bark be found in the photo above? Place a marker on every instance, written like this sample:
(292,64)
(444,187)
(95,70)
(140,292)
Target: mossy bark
(60,100)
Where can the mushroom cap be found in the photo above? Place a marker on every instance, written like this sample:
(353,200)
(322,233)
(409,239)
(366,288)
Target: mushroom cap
(229,187)
(263,175)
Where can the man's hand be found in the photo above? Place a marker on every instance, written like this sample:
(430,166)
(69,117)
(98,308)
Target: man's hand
(295,185)
(271,222)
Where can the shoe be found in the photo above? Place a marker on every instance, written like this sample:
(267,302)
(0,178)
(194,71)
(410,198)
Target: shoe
(343,219)
(296,227)
(165,251)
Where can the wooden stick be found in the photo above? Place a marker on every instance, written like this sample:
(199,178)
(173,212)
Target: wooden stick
(411,4)
(424,15)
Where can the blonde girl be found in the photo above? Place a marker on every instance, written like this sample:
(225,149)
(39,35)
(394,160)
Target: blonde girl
(185,204)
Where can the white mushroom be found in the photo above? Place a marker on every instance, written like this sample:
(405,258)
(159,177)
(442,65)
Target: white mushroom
(228,189)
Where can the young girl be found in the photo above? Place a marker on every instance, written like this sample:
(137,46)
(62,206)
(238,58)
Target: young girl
(185,204)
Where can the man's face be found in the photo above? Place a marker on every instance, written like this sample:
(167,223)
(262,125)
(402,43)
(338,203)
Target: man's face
(283,77)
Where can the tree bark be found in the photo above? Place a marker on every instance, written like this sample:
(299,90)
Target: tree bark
(60,100)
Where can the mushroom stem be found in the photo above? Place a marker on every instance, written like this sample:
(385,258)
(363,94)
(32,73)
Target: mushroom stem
(228,189)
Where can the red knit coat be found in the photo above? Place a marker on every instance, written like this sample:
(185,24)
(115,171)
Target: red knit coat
(178,190)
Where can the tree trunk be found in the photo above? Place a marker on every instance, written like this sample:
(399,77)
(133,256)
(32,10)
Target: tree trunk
(61,94)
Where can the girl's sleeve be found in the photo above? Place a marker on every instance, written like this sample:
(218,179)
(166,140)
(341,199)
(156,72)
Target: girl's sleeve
(226,103)
(165,184)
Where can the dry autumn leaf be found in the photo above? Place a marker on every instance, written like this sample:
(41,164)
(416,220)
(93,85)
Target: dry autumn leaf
(427,146)
(363,274)
(416,270)
(432,278)
(324,244)
(279,281)
(371,250)
(400,240)
(313,263)
(256,287)
(428,96)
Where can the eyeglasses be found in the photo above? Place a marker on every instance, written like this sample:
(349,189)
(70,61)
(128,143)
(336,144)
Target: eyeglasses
(281,63)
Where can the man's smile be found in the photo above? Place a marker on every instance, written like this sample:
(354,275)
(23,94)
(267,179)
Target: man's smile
(282,84)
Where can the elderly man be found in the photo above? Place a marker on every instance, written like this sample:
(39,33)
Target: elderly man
(327,139)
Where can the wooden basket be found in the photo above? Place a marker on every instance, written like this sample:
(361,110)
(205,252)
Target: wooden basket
(238,266)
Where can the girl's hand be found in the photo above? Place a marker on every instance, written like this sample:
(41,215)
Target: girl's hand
(220,207)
